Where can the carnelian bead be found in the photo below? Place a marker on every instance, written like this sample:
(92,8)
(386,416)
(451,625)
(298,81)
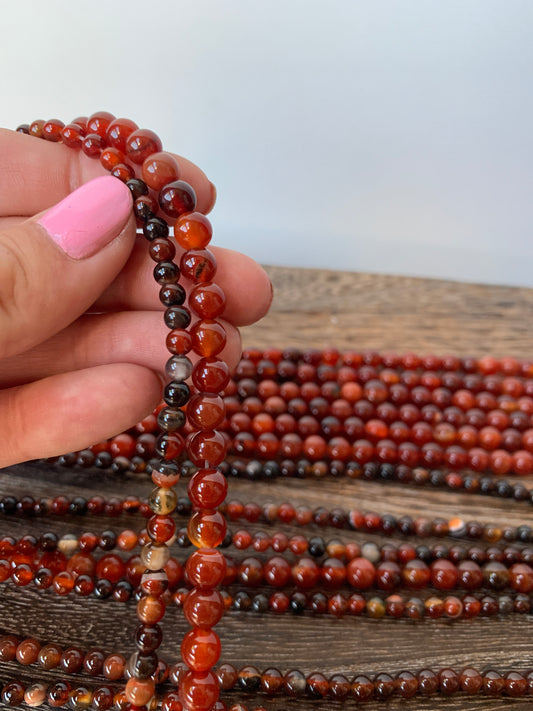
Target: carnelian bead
(118,132)
(206,528)
(81,563)
(179,341)
(111,567)
(203,608)
(159,170)
(206,568)
(208,337)
(72,134)
(207,488)
(360,573)
(52,130)
(177,198)
(92,145)
(193,231)
(139,691)
(28,651)
(199,690)
(161,528)
(36,128)
(210,375)
(113,667)
(444,574)
(141,144)
(207,300)
(277,571)
(150,609)
(99,123)
(63,583)
(200,649)
(522,462)
(199,265)
(207,448)
(123,172)
(206,411)
(169,446)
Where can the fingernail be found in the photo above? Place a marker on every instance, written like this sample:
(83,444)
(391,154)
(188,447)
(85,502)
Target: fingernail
(90,217)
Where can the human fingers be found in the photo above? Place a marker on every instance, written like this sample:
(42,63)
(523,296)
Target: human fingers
(246,285)
(35,174)
(53,268)
(133,337)
(73,410)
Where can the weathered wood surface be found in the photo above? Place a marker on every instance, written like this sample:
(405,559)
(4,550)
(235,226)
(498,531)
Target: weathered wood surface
(317,309)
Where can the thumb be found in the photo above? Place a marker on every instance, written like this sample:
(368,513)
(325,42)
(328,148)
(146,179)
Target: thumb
(53,267)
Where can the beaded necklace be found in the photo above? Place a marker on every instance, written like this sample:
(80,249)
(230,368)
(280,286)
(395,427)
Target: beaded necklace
(365,416)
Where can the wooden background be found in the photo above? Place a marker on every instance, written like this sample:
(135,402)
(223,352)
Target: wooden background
(317,309)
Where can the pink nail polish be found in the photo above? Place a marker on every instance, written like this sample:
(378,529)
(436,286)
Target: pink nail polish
(90,217)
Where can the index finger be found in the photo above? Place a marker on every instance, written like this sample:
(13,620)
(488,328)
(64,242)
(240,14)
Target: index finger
(36,174)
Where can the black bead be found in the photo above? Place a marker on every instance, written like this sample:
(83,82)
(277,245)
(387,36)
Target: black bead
(172,295)
(137,187)
(387,472)
(524,534)
(504,489)
(254,470)
(120,464)
(85,458)
(260,603)
(183,506)
(317,546)
(370,471)
(249,679)
(182,538)
(142,665)
(8,505)
(298,603)
(103,460)
(437,478)
(26,505)
(176,394)
(486,485)
(166,273)
(48,541)
(242,601)
(103,588)
(107,540)
(123,591)
(388,524)
(23,128)
(67,460)
(143,210)
(271,469)
(78,505)
(155,228)
(177,317)
(228,540)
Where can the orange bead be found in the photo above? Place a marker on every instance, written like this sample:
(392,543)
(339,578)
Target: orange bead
(193,231)
(206,568)
(111,157)
(150,609)
(208,337)
(207,488)
(203,608)
(205,411)
(159,170)
(200,649)
(207,448)
(118,131)
(199,690)
(139,691)
(206,528)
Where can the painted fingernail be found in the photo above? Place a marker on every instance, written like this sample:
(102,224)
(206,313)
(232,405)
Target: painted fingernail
(90,217)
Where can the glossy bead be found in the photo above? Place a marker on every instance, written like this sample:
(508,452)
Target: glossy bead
(207,488)
(113,666)
(199,690)
(207,448)
(13,693)
(177,198)
(52,130)
(200,649)
(207,300)
(199,266)
(155,556)
(193,231)
(206,411)
(99,123)
(72,135)
(118,132)
(142,143)
(210,375)
(139,692)
(92,145)
(35,695)
(179,342)
(28,651)
(159,170)
(206,528)
(203,608)
(163,501)
(206,568)
(178,368)
(150,609)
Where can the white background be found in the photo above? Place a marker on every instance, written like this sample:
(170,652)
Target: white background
(377,135)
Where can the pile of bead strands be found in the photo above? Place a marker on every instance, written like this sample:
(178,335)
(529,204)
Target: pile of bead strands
(289,414)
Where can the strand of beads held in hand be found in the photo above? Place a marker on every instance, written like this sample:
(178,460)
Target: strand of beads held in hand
(161,201)
(285,413)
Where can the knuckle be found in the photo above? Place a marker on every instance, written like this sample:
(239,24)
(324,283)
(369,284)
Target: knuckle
(14,289)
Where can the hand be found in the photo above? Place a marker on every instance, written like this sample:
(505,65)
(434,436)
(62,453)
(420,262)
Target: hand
(82,338)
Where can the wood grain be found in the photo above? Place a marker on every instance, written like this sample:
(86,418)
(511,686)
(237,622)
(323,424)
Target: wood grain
(314,308)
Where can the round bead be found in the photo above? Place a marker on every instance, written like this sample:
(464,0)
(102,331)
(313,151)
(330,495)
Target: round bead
(178,368)
(163,501)
(193,231)
(159,170)
(150,609)
(210,375)
(207,488)
(141,144)
(207,448)
(207,300)
(206,528)
(139,692)
(203,608)
(208,337)
(177,198)
(198,265)
(155,556)
(118,131)
(198,690)
(200,649)
(206,568)
(206,411)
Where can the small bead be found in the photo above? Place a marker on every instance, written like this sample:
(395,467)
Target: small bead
(178,368)
(118,132)
(193,231)
(159,170)
(177,198)
(163,501)
(155,228)
(166,273)
(155,556)
(199,266)
(208,337)
(52,130)
(171,419)
(141,144)
(207,300)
